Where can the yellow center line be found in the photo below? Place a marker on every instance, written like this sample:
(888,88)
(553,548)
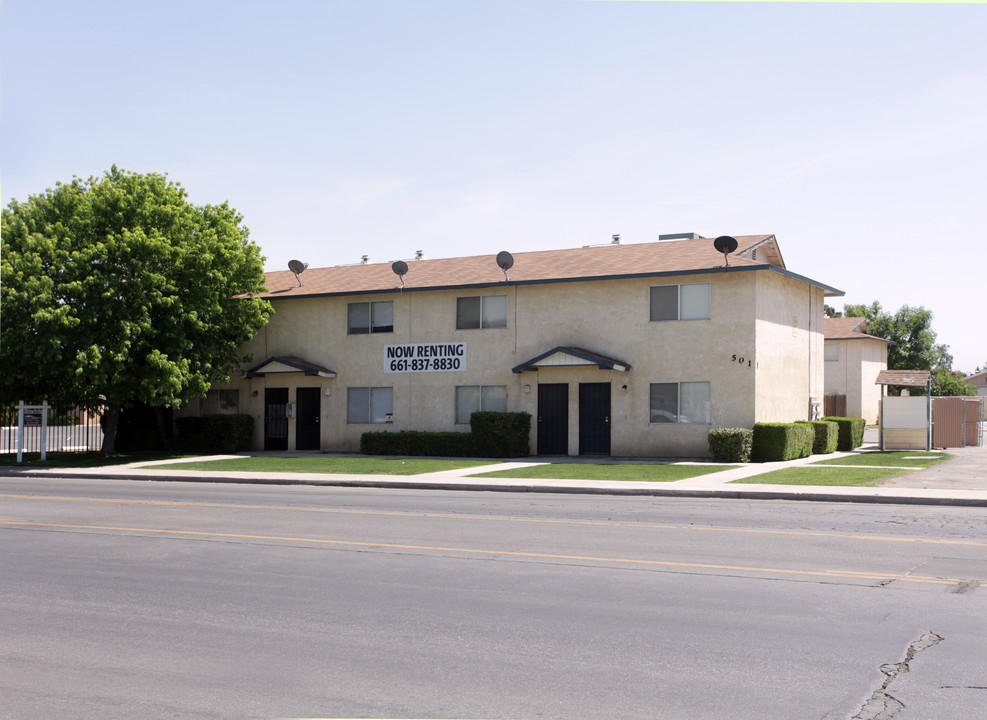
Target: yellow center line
(847,574)
(441,516)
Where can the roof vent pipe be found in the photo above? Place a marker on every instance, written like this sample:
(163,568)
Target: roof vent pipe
(419,254)
(615,239)
(364,259)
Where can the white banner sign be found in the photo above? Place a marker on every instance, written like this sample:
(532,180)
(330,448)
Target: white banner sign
(425,357)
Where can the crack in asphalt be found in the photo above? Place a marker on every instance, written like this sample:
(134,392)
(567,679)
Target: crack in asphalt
(882,705)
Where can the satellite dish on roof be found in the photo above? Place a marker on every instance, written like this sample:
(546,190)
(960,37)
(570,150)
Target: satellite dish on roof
(297,267)
(506,261)
(726,245)
(400,268)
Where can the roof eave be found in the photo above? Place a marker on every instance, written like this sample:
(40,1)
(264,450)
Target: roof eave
(828,290)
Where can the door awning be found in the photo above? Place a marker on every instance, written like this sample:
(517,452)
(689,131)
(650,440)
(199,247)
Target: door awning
(572,357)
(288,364)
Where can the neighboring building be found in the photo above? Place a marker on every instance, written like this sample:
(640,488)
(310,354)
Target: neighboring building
(624,350)
(979,381)
(853,361)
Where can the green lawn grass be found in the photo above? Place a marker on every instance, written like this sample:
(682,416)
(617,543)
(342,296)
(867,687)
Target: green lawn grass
(898,458)
(595,471)
(816,475)
(80,460)
(330,465)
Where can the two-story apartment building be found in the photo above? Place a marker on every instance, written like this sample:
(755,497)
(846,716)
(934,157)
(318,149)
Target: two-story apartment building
(621,349)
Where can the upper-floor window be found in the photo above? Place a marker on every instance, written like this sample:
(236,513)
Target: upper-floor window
(481,311)
(680,302)
(680,402)
(474,398)
(370,317)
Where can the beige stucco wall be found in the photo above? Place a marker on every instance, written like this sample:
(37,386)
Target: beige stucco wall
(789,337)
(758,365)
(854,374)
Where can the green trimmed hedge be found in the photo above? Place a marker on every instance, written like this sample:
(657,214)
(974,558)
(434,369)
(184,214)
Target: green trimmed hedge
(501,434)
(494,434)
(415,443)
(211,434)
(730,445)
(851,432)
(781,441)
(826,436)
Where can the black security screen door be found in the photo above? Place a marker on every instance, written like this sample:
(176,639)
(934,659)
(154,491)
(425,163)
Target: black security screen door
(594,418)
(553,419)
(307,422)
(276,419)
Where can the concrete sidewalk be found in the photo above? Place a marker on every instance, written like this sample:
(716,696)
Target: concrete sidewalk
(962,480)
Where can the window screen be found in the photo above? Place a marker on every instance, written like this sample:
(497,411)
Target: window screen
(369,405)
(485,311)
(474,398)
(687,402)
(368,317)
(680,302)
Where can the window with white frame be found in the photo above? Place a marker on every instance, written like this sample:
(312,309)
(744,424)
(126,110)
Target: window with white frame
(369,404)
(474,398)
(680,302)
(680,402)
(220,401)
(832,352)
(370,317)
(481,312)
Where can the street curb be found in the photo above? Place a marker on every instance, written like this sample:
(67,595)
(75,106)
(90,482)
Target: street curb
(725,494)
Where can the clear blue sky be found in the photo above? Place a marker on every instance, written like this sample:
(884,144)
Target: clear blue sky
(857,133)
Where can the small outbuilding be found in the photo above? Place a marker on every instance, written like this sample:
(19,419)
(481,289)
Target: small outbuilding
(979,381)
(906,421)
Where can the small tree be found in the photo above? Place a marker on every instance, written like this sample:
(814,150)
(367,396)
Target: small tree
(945,382)
(118,290)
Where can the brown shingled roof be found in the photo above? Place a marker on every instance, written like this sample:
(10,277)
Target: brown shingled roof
(908,378)
(848,328)
(672,256)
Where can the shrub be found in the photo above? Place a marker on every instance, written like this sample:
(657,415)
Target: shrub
(781,441)
(851,432)
(501,434)
(140,428)
(826,436)
(415,443)
(494,434)
(211,434)
(730,445)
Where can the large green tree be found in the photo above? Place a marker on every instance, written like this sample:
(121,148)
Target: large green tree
(915,346)
(117,290)
(910,329)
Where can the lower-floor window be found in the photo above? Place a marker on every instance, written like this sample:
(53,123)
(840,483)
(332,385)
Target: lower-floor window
(474,398)
(680,402)
(369,405)
(220,401)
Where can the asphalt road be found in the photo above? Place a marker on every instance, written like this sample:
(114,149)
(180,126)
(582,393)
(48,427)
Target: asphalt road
(127,599)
